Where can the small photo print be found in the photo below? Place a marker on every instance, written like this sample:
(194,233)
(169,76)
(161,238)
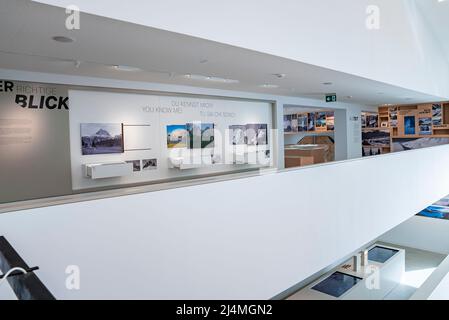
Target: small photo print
(149,164)
(409,125)
(237,134)
(176,136)
(136,165)
(437,113)
(425,126)
(101,138)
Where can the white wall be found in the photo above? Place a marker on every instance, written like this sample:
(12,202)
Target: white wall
(325,33)
(241,239)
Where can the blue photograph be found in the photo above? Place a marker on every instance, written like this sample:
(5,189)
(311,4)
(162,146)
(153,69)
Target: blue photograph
(437,212)
(409,125)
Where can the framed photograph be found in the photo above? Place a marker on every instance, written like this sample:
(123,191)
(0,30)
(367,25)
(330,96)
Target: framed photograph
(200,135)
(437,114)
(330,121)
(237,135)
(320,120)
(376,138)
(372,120)
(136,165)
(288,123)
(256,134)
(302,122)
(311,122)
(295,121)
(176,136)
(409,125)
(384,124)
(101,138)
(425,126)
(149,164)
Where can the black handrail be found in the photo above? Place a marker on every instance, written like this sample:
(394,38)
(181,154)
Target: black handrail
(25,286)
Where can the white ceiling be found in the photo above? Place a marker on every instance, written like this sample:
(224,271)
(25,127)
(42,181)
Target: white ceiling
(436,14)
(27,28)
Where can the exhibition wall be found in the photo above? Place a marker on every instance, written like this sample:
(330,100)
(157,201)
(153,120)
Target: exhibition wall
(194,242)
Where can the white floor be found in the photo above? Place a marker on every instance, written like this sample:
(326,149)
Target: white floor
(419,265)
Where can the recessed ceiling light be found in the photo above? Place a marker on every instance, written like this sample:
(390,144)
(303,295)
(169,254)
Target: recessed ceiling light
(209,78)
(280,75)
(125,68)
(327,83)
(349,97)
(63,39)
(270,86)
(204,61)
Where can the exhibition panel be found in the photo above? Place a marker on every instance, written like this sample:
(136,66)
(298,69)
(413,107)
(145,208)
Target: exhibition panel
(110,139)
(405,127)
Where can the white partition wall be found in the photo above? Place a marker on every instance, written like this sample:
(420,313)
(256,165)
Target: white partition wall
(249,238)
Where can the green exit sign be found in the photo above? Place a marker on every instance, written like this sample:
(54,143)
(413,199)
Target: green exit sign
(331,97)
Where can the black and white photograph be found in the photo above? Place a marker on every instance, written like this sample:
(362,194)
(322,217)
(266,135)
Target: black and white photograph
(101,138)
(288,123)
(437,115)
(136,165)
(372,120)
(149,164)
(200,135)
(425,126)
(295,123)
(376,138)
(302,122)
(237,135)
(311,122)
(370,151)
(393,117)
(404,144)
(256,134)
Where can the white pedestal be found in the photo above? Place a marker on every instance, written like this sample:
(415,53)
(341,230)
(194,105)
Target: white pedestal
(108,170)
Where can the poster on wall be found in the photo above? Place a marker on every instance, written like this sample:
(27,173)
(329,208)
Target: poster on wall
(404,144)
(200,135)
(372,120)
(439,210)
(302,122)
(101,138)
(256,134)
(176,136)
(311,122)
(34,141)
(330,121)
(288,123)
(295,123)
(437,114)
(320,122)
(237,135)
(393,117)
(425,126)
(376,138)
(409,125)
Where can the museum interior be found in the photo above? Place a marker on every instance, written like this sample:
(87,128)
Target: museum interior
(225,154)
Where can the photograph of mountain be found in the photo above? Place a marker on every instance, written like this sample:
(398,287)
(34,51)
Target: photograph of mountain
(372,120)
(404,144)
(176,136)
(393,117)
(101,138)
(437,113)
(376,138)
(425,126)
(149,164)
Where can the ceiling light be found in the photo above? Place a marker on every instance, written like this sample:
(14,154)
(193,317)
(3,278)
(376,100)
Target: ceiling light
(270,86)
(209,78)
(280,75)
(125,68)
(349,97)
(327,83)
(204,61)
(63,39)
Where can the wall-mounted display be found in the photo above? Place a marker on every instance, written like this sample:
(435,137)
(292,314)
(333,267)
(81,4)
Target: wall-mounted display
(101,138)
(403,144)
(136,165)
(200,135)
(437,114)
(295,123)
(409,125)
(311,122)
(425,126)
(176,136)
(149,164)
(393,115)
(330,121)
(320,122)
(372,120)
(376,138)
(439,210)
(237,135)
(256,134)
(288,123)
(302,122)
